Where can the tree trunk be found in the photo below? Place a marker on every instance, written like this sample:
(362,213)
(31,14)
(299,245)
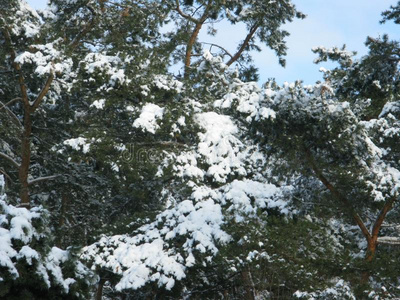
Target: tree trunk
(189,47)
(371,249)
(99,293)
(61,219)
(25,158)
(250,292)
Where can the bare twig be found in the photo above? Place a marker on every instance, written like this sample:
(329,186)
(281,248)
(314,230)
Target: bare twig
(10,102)
(220,47)
(13,116)
(10,159)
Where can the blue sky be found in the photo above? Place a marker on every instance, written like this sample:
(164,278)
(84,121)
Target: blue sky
(329,23)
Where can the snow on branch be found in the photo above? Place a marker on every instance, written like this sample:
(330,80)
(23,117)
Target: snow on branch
(44,178)
(389,240)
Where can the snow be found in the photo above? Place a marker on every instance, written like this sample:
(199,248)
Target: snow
(2,184)
(44,58)
(53,264)
(241,193)
(390,107)
(28,253)
(341,290)
(150,255)
(249,99)
(17,237)
(78,144)
(99,104)
(111,66)
(148,118)
(218,147)
(167,83)
(27,20)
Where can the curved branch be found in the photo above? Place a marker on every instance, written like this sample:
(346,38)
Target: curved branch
(84,31)
(5,174)
(10,102)
(336,193)
(10,159)
(17,67)
(245,43)
(185,16)
(40,179)
(43,92)
(10,112)
(220,47)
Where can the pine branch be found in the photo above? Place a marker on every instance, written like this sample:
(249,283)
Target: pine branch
(185,16)
(43,92)
(10,159)
(40,179)
(10,112)
(75,42)
(220,47)
(378,223)
(17,67)
(245,43)
(336,193)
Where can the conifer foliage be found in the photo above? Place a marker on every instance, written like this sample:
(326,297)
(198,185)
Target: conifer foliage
(196,184)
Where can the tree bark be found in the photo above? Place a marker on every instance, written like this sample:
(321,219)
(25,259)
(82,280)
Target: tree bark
(246,41)
(99,292)
(25,158)
(250,292)
(371,237)
(199,23)
(61,220)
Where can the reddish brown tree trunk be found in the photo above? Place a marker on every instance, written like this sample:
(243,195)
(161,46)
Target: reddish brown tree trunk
(99,293)
(25,158)
(250,292)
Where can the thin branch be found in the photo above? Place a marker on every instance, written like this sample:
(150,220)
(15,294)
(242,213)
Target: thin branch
(10,102)
(220,47)
(396,226)
(43,92)
(13,116)
(187,17)
(84,31)
(10,159)
(17,67)
(389,240)
(245,43)
(40,179)
(5,174)
(336,193)
(378,223)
